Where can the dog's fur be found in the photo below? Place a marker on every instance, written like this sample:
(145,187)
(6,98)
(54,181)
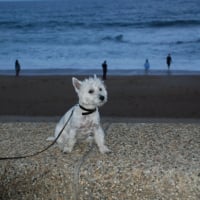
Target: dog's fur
(83,124)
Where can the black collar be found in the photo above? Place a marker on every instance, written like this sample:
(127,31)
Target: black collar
(89,111)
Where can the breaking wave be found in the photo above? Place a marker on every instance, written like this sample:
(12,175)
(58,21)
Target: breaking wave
(117,38)
(64,24)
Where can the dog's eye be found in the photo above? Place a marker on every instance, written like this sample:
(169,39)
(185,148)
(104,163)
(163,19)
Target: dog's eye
(100,89)
(91,91)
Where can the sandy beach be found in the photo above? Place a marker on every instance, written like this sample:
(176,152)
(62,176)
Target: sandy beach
(139,96)
(154,160)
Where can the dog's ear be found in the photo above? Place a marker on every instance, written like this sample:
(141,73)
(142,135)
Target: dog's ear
(76,83)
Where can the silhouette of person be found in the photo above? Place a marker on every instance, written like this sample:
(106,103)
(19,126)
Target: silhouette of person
(168,61)
(104,68)
(146,65)
(17,68)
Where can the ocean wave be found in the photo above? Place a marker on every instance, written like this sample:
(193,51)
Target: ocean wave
(15,24)
(64,24)
(188,42)
(174,23)
(39,24)
(151,24)
(145,24)
(117,38)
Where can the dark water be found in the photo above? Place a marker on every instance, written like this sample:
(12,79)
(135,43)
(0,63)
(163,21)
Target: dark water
(82,34)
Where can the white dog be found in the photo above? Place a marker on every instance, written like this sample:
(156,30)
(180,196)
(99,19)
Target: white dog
(83,121)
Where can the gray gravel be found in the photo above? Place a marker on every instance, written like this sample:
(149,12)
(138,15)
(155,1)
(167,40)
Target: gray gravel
(148,161)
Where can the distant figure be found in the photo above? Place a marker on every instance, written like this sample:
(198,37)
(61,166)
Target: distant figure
(168,61)
(104,68)
(146,65)
(17,68)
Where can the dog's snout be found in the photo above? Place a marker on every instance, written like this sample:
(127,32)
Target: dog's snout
(101,97)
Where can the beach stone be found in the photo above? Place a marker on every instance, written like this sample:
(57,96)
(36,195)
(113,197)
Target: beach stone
(148,161)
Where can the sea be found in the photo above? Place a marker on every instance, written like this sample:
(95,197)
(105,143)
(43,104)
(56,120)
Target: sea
(67,36)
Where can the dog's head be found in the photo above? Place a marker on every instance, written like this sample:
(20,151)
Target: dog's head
(91,92)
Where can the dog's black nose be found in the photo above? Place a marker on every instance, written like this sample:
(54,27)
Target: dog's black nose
(101,97)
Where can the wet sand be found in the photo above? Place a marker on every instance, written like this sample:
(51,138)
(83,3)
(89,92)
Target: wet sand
(142,96)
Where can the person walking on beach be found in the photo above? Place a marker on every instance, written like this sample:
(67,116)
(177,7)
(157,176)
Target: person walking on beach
(168,61)
(17,68)
(146,65)
(104,68)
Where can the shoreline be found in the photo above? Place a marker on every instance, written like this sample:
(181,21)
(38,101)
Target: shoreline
(111,72)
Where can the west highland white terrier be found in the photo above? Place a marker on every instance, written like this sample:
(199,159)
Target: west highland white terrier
(82,121)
